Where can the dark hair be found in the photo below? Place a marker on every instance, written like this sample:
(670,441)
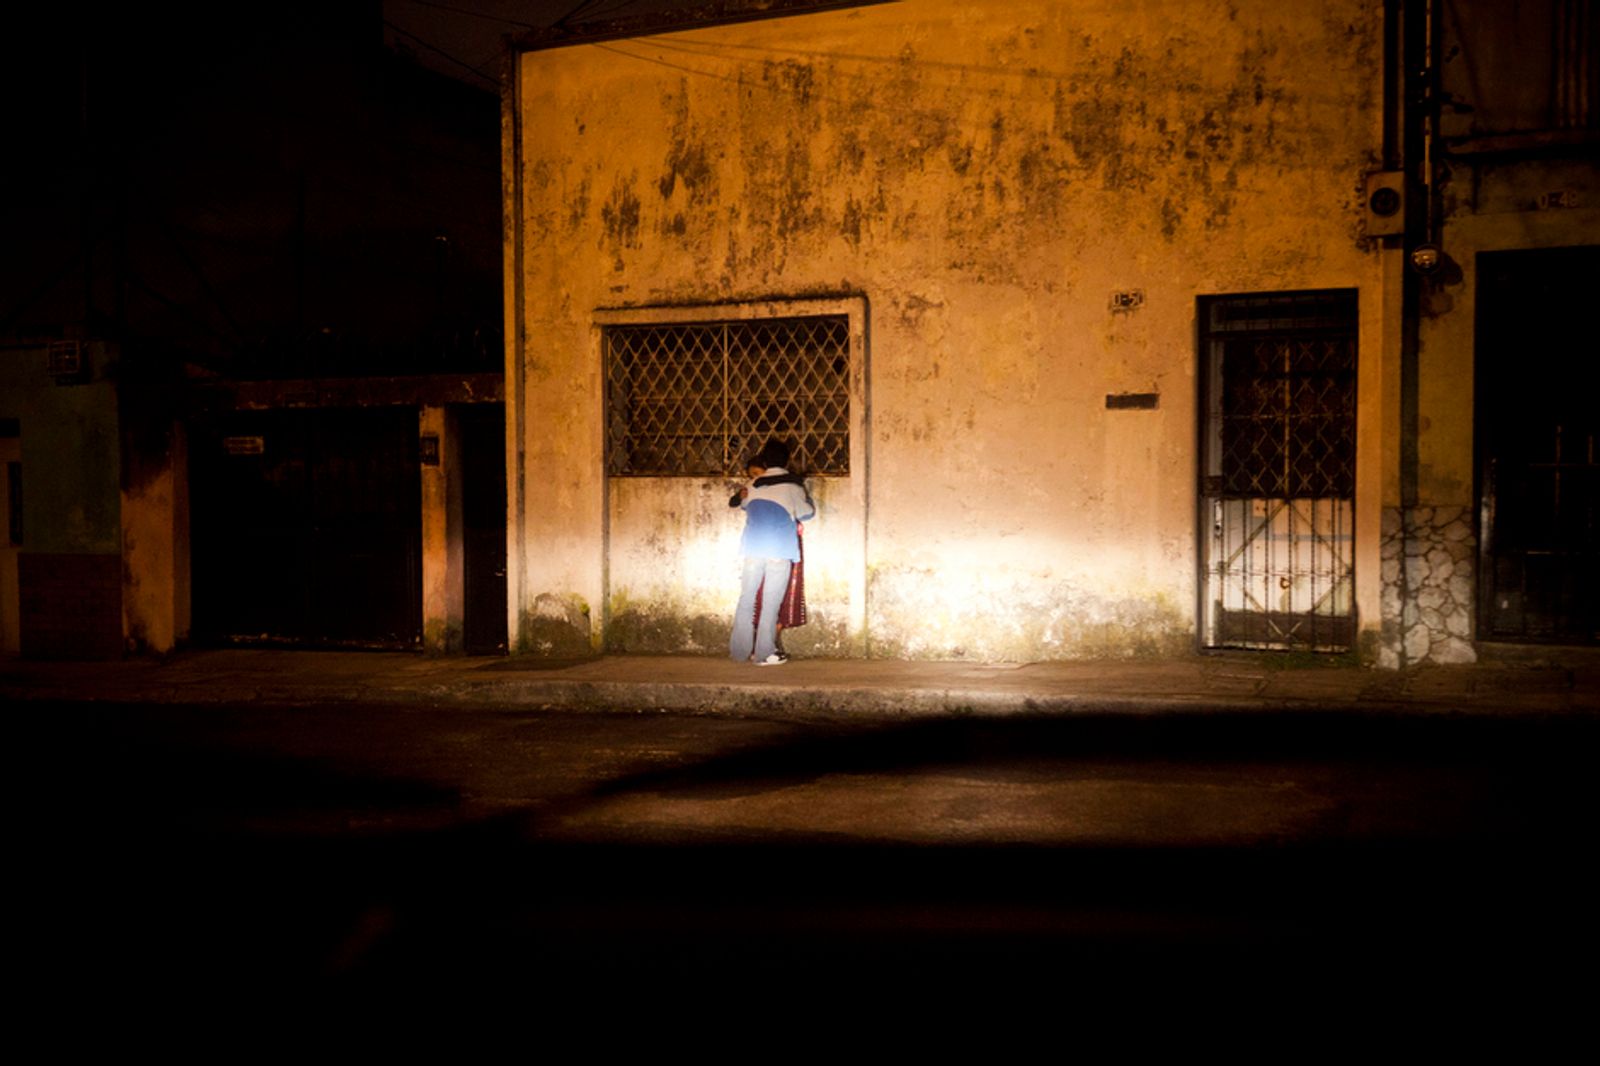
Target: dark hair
(774,453)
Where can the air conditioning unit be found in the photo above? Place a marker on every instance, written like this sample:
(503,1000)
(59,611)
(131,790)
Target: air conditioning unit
(66,360)
(1386,203)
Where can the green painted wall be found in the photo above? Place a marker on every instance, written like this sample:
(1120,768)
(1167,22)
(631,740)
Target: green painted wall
(71,456)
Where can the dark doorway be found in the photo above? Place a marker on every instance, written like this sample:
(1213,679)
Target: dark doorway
(482,430)
(307,528)
(1537,421)
(1277,474)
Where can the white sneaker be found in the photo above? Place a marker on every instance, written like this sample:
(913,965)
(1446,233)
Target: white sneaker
(775,659)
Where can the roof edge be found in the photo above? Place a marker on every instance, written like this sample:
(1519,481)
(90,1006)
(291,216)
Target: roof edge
(688,17)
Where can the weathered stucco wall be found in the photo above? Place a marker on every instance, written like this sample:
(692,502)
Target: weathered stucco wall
(155,534)
(70,579)
(987,177)
(674,572)
(71,454)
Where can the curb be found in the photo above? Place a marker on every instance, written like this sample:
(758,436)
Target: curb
(854,702)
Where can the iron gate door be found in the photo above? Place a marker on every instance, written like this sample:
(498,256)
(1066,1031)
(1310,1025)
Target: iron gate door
(1538,432)
(482,430)
(1277,475)
(307,528)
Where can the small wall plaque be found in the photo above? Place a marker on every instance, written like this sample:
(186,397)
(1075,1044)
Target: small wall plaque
(244,445)
(430,449)
(1125,300)
(1144,401)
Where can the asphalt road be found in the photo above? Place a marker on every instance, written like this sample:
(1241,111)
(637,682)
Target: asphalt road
(354,850)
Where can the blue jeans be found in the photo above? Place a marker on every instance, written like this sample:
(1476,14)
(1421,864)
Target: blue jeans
(774,573)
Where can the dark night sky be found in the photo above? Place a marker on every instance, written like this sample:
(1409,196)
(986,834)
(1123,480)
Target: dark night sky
(165,52)
(172,143)
(161,54)
(130,130)
(464,38)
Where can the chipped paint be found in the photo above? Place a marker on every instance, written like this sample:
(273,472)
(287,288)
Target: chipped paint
(558,626)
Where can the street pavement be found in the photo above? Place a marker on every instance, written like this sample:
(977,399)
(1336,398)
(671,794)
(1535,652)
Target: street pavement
(302,829)
(822,687)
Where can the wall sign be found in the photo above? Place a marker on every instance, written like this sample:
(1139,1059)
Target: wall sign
(1139,401)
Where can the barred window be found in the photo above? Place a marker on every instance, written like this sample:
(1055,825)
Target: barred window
(697,398)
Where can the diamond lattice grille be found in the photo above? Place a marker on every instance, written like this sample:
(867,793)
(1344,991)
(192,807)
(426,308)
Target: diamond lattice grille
(1287,425)
(697,399)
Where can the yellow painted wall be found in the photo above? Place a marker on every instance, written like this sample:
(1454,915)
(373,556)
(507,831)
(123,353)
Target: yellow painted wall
(443,539)
(155,540)
(986,176)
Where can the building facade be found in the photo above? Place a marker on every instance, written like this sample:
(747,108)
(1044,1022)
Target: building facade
(1096,329)
(249,341)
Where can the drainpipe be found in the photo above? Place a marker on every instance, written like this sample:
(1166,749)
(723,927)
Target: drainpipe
(86,168)
(514,327)
(1415,31)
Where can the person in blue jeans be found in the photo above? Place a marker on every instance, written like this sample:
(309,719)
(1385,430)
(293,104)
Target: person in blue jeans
(770,546)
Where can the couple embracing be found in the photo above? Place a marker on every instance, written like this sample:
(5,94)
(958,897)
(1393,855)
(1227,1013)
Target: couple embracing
(771,592)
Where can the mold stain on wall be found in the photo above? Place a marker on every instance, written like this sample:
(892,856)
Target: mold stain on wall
(985,185)
(619,220)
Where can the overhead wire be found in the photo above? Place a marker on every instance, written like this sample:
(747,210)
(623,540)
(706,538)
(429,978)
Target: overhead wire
(490,78)
(562,21)
(927,114)
(613,9)
(761,54)
(681,42)
(478,14)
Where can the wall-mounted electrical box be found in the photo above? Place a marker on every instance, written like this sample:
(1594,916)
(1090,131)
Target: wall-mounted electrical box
(1386,203)
(66,361)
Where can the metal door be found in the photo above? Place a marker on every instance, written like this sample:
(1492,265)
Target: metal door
(482,433)
(1538,427)
(1277,474)
(307,528)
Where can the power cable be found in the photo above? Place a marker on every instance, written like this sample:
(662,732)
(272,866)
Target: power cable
(480,14)
(440,51)
(613,9)
(562,21)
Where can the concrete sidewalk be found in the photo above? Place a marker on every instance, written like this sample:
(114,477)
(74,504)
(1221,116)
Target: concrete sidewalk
(820,687)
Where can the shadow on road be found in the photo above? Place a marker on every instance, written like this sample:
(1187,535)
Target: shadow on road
(179,852)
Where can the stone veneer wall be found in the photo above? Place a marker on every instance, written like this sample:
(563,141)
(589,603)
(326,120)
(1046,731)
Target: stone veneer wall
(1428,587)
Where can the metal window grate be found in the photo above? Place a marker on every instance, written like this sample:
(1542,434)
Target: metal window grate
(1286,413)
(695,399)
